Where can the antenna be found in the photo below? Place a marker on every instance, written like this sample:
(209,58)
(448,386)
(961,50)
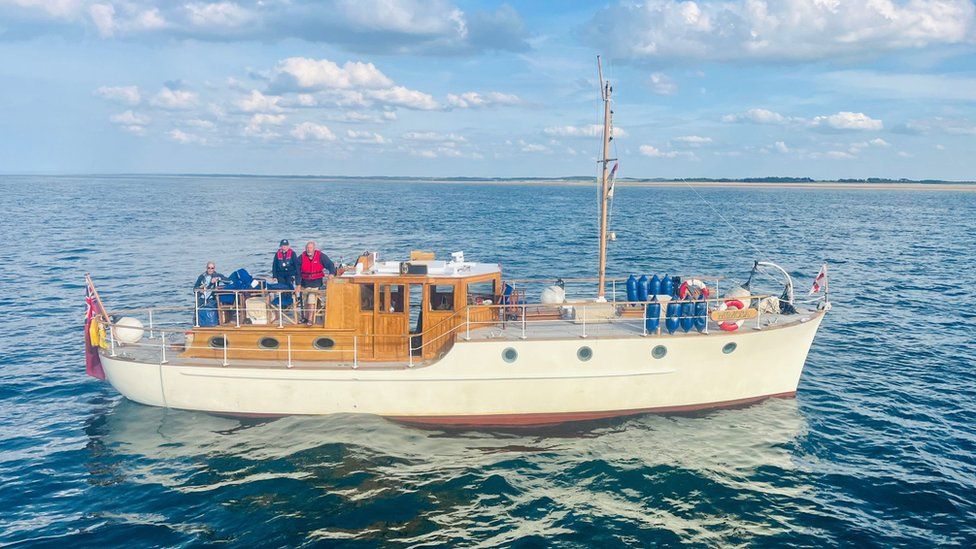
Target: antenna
(599,70)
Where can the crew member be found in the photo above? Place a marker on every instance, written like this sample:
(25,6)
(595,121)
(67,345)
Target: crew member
(208,281)
(284,267)
(315,266)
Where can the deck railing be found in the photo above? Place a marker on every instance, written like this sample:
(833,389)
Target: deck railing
(583,319)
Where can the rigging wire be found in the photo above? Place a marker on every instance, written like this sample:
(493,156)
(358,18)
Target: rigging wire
(722,217)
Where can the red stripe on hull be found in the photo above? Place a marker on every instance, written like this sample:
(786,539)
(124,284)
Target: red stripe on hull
(546,419)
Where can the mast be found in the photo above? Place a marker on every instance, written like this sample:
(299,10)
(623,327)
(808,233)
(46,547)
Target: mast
(605,91)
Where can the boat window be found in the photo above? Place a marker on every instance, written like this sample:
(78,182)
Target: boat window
(366,298)
(659,351)
(323,343)
(217,342)
(729,348)
(268,343)
(509,355)
(479,292)
(391,298)
(584,353)
(442,297)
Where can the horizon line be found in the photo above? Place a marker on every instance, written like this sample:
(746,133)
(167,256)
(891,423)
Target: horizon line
(751,179)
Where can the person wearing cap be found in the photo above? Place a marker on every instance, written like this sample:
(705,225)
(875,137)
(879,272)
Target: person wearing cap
(208,281)
(284,266)
(315,267)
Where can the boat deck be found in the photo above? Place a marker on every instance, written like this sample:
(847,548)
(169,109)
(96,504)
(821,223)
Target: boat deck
(150,349)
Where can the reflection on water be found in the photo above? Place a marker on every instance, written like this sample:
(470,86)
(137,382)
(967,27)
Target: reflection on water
(344,474)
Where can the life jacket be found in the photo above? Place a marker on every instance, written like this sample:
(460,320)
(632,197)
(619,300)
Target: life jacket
(312,268)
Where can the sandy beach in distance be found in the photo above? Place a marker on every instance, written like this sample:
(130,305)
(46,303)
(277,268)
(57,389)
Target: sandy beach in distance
(823,185)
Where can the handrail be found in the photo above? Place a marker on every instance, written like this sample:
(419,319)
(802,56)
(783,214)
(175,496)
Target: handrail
(609,279)
(428,340)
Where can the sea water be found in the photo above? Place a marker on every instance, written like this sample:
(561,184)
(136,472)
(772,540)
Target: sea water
(877,448)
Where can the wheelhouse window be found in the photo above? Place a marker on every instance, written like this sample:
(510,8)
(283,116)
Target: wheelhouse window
(480,292)
(391,298)
(366,298)
(441,297)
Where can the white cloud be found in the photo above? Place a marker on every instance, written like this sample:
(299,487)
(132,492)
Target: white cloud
(175,99)
(200,123)
(217,14)
(130,118)
(303,73)
(532,147)
(654,152)
(904,154)
(693,140)
(878,142)
(257,125)
(433,137)
(185,138)
(781,147)
(757,116)
(589,130)
(475,100)
(128,95)
(365,137)
(258,102)
(833,155)
(662,84)
(310,130)
(151,19)
(785,30)
(402,97)
(401,27)
(103,16)
(845,120)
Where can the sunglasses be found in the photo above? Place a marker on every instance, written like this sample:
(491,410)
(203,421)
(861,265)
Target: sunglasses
(211,268)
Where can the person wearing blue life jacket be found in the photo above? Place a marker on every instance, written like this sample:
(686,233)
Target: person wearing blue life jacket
(208,281)
(285,268)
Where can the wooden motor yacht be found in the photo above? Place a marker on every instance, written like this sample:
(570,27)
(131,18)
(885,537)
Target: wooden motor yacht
(453,342)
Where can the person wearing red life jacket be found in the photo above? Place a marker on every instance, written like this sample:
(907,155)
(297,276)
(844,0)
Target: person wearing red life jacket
(315,268)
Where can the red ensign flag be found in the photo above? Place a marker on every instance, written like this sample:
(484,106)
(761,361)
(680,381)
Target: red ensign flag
(820,283)
(93,364)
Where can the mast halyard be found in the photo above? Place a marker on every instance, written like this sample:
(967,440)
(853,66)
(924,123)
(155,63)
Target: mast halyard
(605,91)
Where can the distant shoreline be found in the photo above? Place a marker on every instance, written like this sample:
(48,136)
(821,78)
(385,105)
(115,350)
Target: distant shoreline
(575,181)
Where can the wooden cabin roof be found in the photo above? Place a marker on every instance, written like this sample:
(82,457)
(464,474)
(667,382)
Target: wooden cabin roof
(435,270)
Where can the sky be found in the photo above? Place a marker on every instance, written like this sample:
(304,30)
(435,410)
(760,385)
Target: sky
(739,88)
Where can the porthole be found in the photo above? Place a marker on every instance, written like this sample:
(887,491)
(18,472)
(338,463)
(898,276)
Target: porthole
(322,343)
(509,355)
(268,343)
(217,342)
(584,353)
(659,351)
(729,348)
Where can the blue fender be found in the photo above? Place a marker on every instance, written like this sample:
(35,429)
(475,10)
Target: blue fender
(653,319)
(687,316)
(671,320)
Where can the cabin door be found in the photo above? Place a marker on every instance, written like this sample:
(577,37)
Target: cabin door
(416,313)
(391,322)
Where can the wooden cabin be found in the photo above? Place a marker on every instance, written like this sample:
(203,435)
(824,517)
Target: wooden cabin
(379,311)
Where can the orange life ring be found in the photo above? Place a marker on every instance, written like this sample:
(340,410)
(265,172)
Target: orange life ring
(731,326)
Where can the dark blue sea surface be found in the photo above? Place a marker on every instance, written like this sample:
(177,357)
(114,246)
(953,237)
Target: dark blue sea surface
(877,449)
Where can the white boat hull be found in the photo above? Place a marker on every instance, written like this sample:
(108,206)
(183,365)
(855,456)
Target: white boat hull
(473,385)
